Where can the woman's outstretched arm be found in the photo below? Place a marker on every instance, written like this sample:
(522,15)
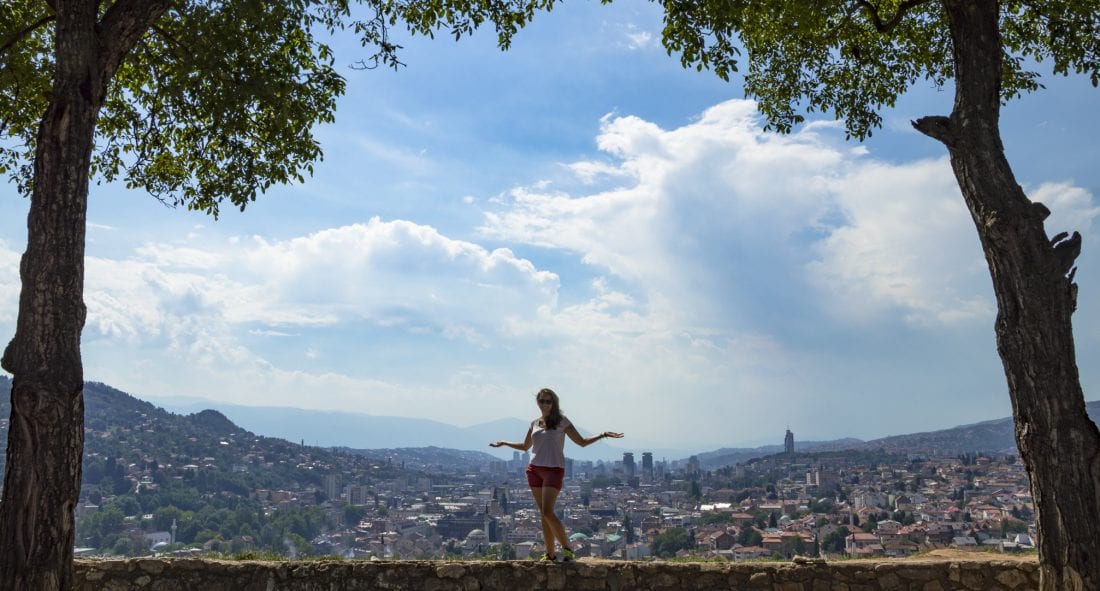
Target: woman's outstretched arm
(586,441)
(526,445)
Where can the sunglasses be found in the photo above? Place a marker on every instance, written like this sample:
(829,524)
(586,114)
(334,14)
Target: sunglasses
(546,402)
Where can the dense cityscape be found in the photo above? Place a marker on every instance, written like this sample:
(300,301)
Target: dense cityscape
(159,483)
(860,505)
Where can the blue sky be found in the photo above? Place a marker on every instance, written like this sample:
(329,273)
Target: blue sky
(582,213)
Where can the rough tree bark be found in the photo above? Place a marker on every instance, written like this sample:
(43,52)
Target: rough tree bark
(46,431)
(1036,297)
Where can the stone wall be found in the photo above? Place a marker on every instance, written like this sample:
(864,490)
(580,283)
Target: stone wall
(211,575)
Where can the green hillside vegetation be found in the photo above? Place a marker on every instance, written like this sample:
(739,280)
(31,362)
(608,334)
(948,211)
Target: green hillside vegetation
(145,467)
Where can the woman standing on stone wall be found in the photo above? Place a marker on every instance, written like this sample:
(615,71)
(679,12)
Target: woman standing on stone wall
(546,471)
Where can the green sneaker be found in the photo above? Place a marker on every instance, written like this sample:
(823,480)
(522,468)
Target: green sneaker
(567,555)
(549,558)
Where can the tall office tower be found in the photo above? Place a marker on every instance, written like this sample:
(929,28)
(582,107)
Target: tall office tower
(692,466)
(788,442)
(330,486)
(647,463)
(357,494)
(628,463)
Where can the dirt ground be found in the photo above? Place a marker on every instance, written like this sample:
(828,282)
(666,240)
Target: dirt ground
(955,554)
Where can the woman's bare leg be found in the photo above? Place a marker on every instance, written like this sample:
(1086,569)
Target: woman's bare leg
(552,527)
(547,531)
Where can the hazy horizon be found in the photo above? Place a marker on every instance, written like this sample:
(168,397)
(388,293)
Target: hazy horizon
(190,404)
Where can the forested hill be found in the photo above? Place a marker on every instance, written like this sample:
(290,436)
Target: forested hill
(996,437)
(105,406)
(145,469)
(133,433)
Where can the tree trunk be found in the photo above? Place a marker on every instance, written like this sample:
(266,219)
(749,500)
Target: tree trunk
(46,431)
(1036,298)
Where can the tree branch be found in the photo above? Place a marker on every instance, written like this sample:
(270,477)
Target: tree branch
(168,36)
(1066,249)
(123,24)
(376,31)
(936,127)
(886,27)
(20,35)
(852,8)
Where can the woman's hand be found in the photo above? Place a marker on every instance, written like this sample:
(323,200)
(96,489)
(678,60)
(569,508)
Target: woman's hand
(611,434)
(496,444)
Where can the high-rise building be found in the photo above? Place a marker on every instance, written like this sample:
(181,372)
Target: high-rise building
(647,464)
(520,461)
(330,486)
(358,494)
(499,505)
(788,442)
(628,463)
(692,466)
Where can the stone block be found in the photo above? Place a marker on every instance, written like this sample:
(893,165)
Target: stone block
(590,585)
(918,574)
(433,584)
(760,580)
(1012,579)
(708,580)
(954,573)
(973,579)
(153,567)
(555,578)
(889,581)
(450,571)
(662,580)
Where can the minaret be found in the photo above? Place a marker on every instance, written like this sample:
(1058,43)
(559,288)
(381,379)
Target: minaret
(172,538)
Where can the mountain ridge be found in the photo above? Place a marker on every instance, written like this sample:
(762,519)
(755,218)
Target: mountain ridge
(121,423)
(996,436)
(354,430)
(411,439)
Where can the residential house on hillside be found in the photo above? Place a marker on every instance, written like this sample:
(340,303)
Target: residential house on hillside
(863,545)
(750,552)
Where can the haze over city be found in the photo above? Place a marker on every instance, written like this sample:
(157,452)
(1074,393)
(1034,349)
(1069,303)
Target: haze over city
(582,213)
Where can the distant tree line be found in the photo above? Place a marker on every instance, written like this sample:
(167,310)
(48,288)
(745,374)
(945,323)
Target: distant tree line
(229,520)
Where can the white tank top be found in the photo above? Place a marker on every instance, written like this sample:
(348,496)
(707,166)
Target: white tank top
(548,445)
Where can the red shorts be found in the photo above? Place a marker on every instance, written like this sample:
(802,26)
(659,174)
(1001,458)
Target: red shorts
(540,476)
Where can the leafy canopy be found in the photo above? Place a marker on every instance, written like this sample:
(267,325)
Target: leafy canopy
(205,108)
(855,57)
(218,100)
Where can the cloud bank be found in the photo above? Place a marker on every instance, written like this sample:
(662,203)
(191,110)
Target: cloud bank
(700,285)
